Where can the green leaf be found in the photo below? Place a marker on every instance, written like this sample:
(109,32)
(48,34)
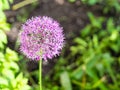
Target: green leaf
(74,50)
(8,73)
(78,73)
(114,35)
(110,24)
(92,2)
(4,26)
(71,1)
(3,39)
(11,1)
(20,83)
(80,41)
(91,63)
(2,57)
(96,22)
(2,17)
(86,31)
(95,41)
(65,81)
(3,82)
(5,5)
(11,55)
(14,67)
(100,84)
(91,73)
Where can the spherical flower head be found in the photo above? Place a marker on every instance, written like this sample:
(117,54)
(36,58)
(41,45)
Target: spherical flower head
(41,38)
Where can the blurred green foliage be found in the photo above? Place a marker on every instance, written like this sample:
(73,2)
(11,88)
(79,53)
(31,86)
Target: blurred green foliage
(98,51)
(11,78)
(71,1)
(4,5)
(94,59)
(107,5)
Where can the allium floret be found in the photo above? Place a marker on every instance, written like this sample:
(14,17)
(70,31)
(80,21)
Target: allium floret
(41,37)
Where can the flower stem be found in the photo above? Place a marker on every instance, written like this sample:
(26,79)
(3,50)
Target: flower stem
(40,74)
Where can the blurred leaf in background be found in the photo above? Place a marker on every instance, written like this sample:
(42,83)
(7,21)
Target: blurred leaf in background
(97,50)
(4,5)
(65,81)
(107,5)
(92,62)
(11,78)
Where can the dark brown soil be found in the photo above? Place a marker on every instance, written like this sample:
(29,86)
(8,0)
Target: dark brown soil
(71,16)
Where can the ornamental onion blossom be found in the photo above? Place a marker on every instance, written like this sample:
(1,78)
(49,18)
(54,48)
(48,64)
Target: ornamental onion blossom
(41,38)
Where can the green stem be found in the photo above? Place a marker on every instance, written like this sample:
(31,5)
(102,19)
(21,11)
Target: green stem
(22,4)
(40,74)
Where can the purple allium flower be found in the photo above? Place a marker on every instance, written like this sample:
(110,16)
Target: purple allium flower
(42,37)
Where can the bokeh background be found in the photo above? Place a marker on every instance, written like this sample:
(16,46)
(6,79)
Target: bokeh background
(90,59)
